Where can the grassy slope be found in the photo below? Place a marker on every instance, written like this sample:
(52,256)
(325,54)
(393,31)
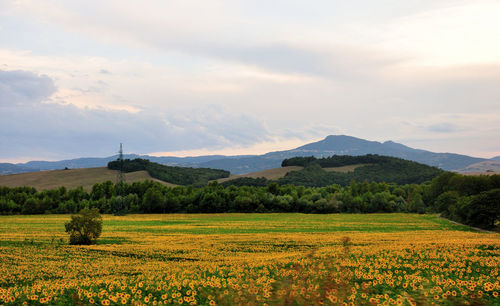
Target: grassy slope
(270,174)
(277,173)
(70,178)
(482,168)
(344,169)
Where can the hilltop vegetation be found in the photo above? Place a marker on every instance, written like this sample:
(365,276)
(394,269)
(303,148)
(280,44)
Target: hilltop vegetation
(173,175)
(373,168)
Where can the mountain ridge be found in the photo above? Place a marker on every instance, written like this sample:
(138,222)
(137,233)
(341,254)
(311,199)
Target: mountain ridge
(240,164)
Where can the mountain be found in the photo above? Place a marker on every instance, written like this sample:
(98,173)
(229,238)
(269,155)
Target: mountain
(331,145)
(344,145)
(93,162)
(347,145)
(6,168)
(496,158)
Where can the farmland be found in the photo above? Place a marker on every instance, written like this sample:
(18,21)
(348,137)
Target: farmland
(250,258)
(270,174)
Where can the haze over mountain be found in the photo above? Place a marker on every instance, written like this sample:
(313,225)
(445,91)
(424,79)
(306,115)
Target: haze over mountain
(331,145)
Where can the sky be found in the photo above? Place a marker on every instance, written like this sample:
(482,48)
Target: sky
(77,78)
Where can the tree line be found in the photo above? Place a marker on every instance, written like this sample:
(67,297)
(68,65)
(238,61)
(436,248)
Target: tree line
(472,200)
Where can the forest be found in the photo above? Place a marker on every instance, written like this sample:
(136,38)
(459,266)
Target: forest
(472,200)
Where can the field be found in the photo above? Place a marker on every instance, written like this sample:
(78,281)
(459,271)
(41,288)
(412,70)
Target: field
(277,173)
(71,178)
(270,174)
(230,259)
(488,167)
(344,169)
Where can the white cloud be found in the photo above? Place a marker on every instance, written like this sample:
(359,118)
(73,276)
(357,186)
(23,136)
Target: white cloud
(226,75)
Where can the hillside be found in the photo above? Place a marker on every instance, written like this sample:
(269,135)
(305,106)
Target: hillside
(172,174)
(241,164)
(374,168)
(341,170)
(269,174)
(485,167)
(72,178)
(277,173)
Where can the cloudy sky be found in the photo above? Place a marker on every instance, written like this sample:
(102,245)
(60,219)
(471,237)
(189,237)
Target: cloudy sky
(234,77)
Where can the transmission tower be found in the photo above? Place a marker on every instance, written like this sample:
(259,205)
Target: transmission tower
(120,184)
(121,179)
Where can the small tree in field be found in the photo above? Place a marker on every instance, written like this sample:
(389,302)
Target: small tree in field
(85,227)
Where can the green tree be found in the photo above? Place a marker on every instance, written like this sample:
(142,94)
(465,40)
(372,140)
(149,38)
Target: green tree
(416,205)
(85,227)
(484,209)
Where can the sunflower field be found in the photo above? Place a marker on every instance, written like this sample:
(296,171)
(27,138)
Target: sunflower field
(250,259)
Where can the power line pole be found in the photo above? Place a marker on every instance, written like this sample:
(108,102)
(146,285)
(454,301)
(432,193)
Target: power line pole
(121,179)
(120,184)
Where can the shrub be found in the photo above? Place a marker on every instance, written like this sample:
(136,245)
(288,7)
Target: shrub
(85,227)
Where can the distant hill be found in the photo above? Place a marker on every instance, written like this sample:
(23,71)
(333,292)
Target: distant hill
(73,178)
(240,164)
(7,168)
(496,158)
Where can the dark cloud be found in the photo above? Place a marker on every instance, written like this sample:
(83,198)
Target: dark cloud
(24,87)
(51,130)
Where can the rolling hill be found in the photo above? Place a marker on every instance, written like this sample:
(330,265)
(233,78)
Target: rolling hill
(172,174)
(486,167)
(73,178)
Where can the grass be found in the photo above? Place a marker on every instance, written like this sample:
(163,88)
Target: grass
(344,169)
(72,178)
(250,259)
(277,173)
(270,174)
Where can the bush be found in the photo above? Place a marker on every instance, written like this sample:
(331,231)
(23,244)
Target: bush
(85,227)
